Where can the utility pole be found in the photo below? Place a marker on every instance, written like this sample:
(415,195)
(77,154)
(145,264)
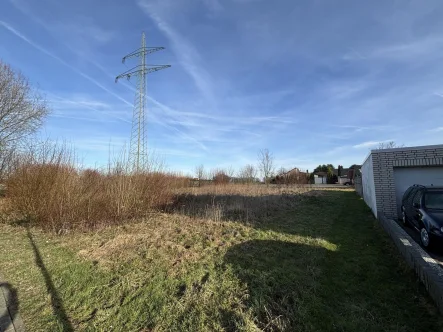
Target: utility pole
(138,145)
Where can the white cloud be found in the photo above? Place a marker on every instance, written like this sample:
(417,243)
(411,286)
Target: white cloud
(366,144)
(369,144)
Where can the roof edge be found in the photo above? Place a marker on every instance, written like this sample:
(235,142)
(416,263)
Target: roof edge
(422,147)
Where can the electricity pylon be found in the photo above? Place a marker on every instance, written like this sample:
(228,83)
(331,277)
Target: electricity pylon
(138,145)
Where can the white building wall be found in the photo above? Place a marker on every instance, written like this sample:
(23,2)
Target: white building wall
(342,180)
(368,184)
(319,180)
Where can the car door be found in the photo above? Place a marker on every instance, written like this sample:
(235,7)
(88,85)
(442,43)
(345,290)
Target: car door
(414,208)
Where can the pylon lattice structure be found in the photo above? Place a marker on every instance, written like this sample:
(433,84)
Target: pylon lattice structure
(138,145)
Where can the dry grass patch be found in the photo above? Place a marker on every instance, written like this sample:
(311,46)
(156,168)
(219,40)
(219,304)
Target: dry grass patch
(174,240)
(247,203)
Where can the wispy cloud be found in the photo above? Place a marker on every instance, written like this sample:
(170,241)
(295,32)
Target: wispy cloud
(246,74)
(353,54)
(70,107)
(366,144)
(52,55)
(189,57)
(412,49)
(99,143)
(63,62)
(80,28)
(213,5)
(369,144)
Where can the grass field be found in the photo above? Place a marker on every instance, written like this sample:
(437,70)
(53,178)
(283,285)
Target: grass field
(281,260)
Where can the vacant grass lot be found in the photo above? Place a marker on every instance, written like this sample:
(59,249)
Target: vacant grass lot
(292,261)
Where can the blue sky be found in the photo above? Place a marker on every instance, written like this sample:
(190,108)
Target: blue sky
(312,81)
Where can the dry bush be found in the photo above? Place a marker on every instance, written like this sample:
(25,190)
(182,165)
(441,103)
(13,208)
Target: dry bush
(220,178)
(47,189)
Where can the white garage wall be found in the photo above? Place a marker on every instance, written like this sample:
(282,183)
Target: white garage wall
(368,184)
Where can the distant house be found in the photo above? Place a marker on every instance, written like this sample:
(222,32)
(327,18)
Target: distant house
(320,178)
(294,176)
(346,174)
(340,175)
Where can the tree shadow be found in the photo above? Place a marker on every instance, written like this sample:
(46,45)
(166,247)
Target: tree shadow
(56,301)
(8,315)
(280,277)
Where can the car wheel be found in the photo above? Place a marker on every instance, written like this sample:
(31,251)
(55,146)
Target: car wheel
(403,218)
(424,237)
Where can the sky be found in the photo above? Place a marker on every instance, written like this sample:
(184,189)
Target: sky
(313,81)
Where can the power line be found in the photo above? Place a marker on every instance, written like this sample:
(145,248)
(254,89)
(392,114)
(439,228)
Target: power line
(138,145)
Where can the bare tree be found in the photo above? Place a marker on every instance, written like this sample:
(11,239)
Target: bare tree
(266,164)
(200,171)
(22,112)
(230,171)
(248,173)
(389,145)
(7,158)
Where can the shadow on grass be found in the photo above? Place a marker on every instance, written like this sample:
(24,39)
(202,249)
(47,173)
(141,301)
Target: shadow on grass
(361,285)
(8,314)
(280,276)
(261,211)
(56,301)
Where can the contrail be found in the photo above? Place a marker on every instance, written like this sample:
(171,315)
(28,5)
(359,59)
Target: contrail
(45,51)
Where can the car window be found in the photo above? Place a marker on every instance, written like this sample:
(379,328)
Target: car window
(417,197)
(434,200)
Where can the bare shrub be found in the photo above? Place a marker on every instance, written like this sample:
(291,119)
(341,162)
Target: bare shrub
(46,188)
(248,174)
(389,145)
(220,178)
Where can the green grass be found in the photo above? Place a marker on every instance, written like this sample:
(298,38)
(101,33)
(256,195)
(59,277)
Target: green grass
(318,263)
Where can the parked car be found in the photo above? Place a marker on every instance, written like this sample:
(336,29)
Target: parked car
(347,183)
(422,208)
